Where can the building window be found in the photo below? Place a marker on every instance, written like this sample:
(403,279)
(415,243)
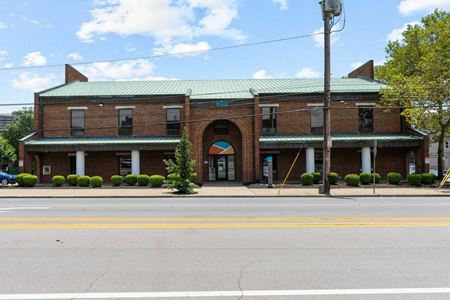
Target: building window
(124,165)
(269,120)
(221,127)
(318,160)
(317,119)
(173,118)
(365,119)
(125,122)
(73,164)
(77,122)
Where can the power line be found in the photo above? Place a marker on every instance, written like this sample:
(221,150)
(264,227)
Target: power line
(170,54)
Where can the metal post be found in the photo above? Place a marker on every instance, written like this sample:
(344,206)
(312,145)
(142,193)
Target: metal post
(326,107)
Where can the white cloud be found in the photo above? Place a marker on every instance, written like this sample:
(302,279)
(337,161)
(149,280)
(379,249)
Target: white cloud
(3,54)
(318,38)
(261,74)
(33,82)
(396,34)
(308,73)
(408,7)
(34,59)
(126,70)
(166,21)
(3,25)
(356,65)
(282,3)
(8,65)
(75,56)
(25,19)
(189,49)
(130,48)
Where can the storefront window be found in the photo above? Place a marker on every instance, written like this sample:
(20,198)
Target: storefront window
(124,165)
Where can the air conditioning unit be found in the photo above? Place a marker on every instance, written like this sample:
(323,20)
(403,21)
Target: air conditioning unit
(332,6)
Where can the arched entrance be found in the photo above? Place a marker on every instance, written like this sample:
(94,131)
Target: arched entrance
(222,152)
(221,163)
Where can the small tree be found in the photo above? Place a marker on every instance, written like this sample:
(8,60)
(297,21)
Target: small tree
(417,71)
(183,165)
(19,128)
(7,152)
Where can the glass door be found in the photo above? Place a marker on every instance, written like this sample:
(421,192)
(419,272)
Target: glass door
(221,167)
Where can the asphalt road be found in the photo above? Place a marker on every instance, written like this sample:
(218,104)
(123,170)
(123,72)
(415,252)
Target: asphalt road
(219,248)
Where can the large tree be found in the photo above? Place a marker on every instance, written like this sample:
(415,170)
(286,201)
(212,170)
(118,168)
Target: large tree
(19,128)
(7,152)
(417,71)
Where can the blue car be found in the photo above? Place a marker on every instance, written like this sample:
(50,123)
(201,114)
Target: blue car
(6,179)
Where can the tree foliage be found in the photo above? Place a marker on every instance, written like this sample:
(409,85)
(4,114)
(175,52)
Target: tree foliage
(182,166)
(19,128)
(417,71)
(7,152)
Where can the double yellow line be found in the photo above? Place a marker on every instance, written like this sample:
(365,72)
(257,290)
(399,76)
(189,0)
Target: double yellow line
(219,222)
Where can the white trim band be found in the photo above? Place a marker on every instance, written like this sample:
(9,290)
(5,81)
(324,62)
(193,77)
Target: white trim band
(125,107)
(77,107)
(365,104)
(172,106)
(269,105)
(315,104)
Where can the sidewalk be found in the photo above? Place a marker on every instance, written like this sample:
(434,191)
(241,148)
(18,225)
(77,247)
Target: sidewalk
(211,191)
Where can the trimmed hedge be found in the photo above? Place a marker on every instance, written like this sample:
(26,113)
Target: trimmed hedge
(19,178)
(83,181)
(394,178)
(377,178)
(316,177)
(143,180)
(131,179)
(414,179)
(156,180)
(29,180)
(116,180)
(333,178)
(365,178)
(58,180)
(427,178)
(307,179)
(72,179)
(352,179)
(96,181)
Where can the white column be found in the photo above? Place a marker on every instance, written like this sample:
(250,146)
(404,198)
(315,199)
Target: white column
(310,168)
(80,163)
(135,162)
(365,160)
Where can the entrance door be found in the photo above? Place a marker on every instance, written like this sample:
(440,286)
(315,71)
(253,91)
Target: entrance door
(221,164)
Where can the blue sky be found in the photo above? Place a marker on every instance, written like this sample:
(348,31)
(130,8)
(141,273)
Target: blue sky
(47,32)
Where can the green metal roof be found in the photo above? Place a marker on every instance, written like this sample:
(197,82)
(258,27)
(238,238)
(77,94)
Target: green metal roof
(67,141)
(211,89)
(342,137)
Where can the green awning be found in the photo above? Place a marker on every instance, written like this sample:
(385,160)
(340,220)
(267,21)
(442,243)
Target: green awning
(340,140)
(103,143)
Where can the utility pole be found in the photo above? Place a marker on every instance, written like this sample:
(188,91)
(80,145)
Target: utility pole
(330,8)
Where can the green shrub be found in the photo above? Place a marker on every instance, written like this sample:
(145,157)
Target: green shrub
(19,178)
(143,180)
(172,177)
(352,179)
(156,180)
(376,176)
(72,179)
(427,178)
(365,178)
(394,178)
(29,180)
(83,181)
(58,180)
(333,177)
(116,180)
(96,181)
(307,179)
(316,177)
(414,179)
(194,177)
(131,179)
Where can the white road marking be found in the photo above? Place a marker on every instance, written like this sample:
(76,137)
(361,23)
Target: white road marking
(215,294)
(23,208)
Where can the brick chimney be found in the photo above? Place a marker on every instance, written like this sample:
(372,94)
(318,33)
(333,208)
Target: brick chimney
(366,70)
(72,74)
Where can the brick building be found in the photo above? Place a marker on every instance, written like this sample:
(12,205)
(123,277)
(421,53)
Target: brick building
(106,128)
